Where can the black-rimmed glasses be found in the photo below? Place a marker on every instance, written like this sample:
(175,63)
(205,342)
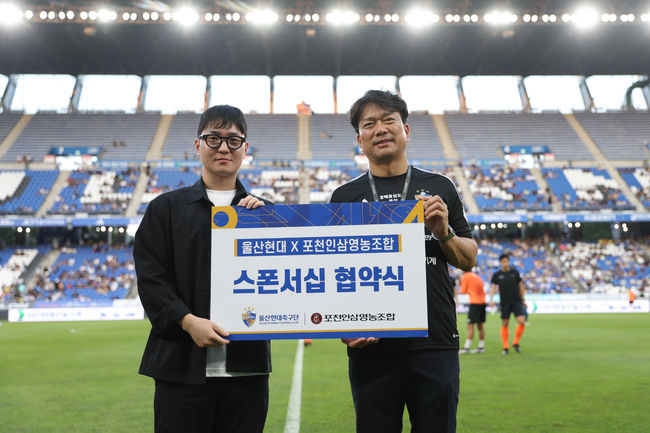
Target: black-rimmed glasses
(214,141)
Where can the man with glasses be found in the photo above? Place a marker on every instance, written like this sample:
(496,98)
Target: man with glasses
(204,383)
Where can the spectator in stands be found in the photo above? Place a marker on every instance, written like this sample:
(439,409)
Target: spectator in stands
(421,373)
(196,369)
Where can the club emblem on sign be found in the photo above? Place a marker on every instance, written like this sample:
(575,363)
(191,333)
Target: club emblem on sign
(248,316)
(316,318)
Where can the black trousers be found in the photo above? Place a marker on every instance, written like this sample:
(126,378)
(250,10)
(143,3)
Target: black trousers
(222,405)
(425,381)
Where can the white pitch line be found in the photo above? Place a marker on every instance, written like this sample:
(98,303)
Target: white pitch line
(292,424)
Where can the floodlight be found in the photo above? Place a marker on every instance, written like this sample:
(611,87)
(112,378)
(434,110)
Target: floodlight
(338,17)
(315,18)
(570,225)
(228,16)
(207,17)
(29,14)
(19,229)
(102,228)
(534,18)
(456,18)
(28,230)
(155,16)
(566,18)
(585,17)
(545,18)
(167,16)
(83,15)
(577,224)
(421,17)
(236,16)
(10,14)
(483,227)
(466,18)
(376,18)
(395,18)
(125,16)
(615,226)
(110,229)
(500,225)
(106,15)
(629,18)
(296,18)
(493,226)
(500,18)
(121,230)
(645,18)
(526,18)
(552,18)
(69,15)
(387,18)
(51,15)
(369,18)
(42,15)
(519,225)
(262,17)
(134,16)
(145,16)
(61,15)
(449,18)
(186,16)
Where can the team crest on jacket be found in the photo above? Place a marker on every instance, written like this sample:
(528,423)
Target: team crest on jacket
(248,316)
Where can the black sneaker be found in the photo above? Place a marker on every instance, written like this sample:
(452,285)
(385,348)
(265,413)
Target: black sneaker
(517,349)
(504,352)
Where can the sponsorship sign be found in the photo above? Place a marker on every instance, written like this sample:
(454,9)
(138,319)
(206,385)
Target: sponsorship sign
(319,271)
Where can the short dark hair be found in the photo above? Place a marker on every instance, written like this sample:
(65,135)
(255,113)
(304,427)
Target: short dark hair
(223,116)
(504,256)
(384,99)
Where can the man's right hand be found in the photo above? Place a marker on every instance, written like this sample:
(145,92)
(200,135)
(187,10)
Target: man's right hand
(204,332)
(357,343)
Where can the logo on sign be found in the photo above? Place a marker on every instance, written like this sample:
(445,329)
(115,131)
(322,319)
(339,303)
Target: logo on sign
(316,318)
(248,316)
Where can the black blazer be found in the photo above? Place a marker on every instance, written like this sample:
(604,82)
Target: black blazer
(172,263)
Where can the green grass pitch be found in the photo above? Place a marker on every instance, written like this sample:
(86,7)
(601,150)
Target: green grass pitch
(577,373)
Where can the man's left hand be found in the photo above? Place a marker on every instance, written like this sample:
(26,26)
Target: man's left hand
(436,215)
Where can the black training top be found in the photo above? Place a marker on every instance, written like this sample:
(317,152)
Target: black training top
(172,261)
(441,307)
(508,283)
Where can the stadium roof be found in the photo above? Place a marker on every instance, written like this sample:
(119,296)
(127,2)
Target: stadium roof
(208,48)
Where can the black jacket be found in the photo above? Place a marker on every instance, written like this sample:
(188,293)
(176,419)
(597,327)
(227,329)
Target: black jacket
(172,263)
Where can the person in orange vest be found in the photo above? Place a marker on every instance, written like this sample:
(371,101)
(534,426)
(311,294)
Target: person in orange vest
(631,296)
(472,284)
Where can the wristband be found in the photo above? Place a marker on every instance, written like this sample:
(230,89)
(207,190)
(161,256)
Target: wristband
(450,235)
